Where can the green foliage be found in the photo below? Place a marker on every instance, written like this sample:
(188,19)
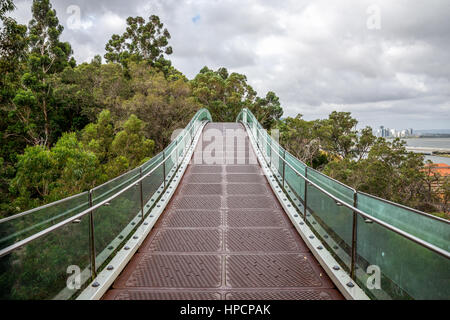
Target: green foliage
(130,142)
(72,166)
(48,54)
(300,137)
(141,41)
(267,110)
(163,104)
(33,105)
(52,174)
(338,133)
(5,6)
(389,172)
(225,95)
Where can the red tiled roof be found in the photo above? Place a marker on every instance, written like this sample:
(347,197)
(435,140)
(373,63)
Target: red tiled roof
(441,168)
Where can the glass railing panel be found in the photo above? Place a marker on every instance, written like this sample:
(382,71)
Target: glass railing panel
(294,184)
(278,163)
(150,165)
(152,187)
(333,223)
(112,187)
(24,225)
(114,222)
(337,189)
(297,164)
(432,230)
(40,269)
(170,166)
(408,270)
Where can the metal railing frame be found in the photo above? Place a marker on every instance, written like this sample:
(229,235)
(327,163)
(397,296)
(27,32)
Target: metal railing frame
(340,202)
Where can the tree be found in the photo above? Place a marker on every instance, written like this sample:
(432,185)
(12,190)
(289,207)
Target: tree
(46,175)
(164,104)
(223,94)
(141,41)
(73,166)
(97,137)
(299,137)
(445,191)
(389,172)
(338,134)
(33,104)
(363,143)
(130,144)
(6,6)
(267,110)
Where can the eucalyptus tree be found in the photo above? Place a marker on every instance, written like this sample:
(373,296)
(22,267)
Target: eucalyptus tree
(142,40)
(34,105)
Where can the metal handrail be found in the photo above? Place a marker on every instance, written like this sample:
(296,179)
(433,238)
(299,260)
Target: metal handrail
(407,235)
(42,233)
(25,213)
(406,208)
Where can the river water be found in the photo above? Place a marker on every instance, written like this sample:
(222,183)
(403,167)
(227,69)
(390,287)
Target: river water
(431,143)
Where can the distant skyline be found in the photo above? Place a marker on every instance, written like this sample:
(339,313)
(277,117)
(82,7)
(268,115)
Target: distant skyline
(385,61)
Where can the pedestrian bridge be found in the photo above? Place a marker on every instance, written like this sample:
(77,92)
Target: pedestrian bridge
(224,212)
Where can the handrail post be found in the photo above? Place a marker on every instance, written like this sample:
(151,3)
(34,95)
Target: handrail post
(270,157)
(92,238)
(284,167)
(176,147)
(305,201)
(354,236)
(164,168)
(142,193)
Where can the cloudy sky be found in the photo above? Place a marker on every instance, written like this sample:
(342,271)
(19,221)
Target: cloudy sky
(388,62)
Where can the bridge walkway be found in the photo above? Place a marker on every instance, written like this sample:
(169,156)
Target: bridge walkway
(223,236)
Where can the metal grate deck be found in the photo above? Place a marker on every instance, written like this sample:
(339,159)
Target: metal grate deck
(223,236)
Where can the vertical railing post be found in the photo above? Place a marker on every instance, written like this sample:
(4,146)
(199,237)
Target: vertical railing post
(92,238)
(354,237)
(284,167)
(305,202)
(270,149)
(257,139)
(176,151)
(164,169)
(142,193)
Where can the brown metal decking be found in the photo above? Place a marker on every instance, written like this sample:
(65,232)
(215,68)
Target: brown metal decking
(224,235)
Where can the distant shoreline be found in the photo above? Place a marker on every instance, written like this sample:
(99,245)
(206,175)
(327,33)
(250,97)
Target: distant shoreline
(422,137)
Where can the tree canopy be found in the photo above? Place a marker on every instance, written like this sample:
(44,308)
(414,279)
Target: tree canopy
(142,40)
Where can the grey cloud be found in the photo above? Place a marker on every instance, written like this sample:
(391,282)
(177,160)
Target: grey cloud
(318,56)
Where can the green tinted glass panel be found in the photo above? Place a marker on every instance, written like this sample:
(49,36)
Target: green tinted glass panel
(427,228)
(333,223)
(114,222)
(337,189)
(39,270)
(149,165)
(152,187)
(110,188)
(294,183)
(297,164)
(22,226)
(408,270)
